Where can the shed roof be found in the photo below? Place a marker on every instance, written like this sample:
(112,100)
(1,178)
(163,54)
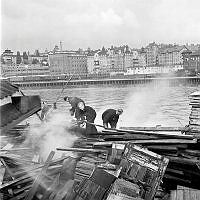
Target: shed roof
(7,89)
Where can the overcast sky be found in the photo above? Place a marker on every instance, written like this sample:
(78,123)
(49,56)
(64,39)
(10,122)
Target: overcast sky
(40,24)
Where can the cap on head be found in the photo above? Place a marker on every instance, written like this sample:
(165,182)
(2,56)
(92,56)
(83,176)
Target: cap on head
(119,111)
(66,98)
(81,105)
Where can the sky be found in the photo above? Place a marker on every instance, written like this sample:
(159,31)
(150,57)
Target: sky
(27,25)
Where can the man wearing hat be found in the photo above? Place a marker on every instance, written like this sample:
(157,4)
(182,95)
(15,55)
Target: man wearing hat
(77,105)
(111,116)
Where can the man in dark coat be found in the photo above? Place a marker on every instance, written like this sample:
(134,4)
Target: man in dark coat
(77,105)
(89,114)
(111,116)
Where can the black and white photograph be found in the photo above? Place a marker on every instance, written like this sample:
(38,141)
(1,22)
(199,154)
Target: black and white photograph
(100,100)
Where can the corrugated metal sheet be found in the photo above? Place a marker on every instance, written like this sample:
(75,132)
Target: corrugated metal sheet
(7,89)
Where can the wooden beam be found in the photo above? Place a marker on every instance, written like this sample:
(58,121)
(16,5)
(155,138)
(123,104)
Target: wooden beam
(157,128)
(83,150)
(37,181)
(159,141)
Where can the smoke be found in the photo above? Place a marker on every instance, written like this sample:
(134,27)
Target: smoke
(143,106)
(50,135)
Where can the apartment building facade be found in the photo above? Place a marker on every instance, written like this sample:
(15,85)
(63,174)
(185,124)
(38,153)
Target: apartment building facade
(191,61)
(152,54)
(171,57)
(24,70)
(67,62)
(10,59)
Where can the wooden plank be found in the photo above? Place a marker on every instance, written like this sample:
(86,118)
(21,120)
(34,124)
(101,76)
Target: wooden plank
(173,195)
(7,168)
(83,150)
(174,178)
(36,183)
(157,128)
(150,133)
(2,172)
(183,160)
(15,149)
(18,120)
(162,147)
(159,141)
(65,191)
(51,188)
(20,196)
(180,194)
(21,189)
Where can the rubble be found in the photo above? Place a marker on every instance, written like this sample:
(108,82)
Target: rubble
(128,163)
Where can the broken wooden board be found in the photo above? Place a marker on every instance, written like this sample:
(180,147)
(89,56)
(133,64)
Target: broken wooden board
(143,167)
(37,181)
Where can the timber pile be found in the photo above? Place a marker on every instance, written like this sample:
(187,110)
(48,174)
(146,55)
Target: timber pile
(89,175)
(182,150)
(24,179)
(194,119)
(127,163)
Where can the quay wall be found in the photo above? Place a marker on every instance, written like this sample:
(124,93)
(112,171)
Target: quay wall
(172,81)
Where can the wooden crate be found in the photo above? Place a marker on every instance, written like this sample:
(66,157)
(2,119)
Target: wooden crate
(143,167)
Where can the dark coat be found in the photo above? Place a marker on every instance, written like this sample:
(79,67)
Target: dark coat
(110,116)
(74,101)
(89,114)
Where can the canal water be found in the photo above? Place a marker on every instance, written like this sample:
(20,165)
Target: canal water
(143,105)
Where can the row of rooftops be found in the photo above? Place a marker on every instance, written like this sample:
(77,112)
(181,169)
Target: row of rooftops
(125,49)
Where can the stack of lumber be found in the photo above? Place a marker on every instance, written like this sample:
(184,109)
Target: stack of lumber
(24,179)
(182,150)
(88,175)
(194,119)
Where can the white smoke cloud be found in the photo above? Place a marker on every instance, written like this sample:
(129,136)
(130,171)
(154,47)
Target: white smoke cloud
(50,135)
(142,108)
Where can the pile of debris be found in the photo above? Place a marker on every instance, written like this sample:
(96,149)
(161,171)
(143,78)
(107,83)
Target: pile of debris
(182,150)
(132,163)
(91,174)
(133,167)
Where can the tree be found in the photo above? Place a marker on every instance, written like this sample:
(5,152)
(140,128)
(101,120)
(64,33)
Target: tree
(25,57)
(18,58)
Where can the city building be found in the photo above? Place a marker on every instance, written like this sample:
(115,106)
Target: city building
(115,61)
(191,61)
(8,58)
(171,57)
(91,62)
(37,58)
(128,58)
(11,59)
(142,58)
(152,54)
(67,62)
(24,70)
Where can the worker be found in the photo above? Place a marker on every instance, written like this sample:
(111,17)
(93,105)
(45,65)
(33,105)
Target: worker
(89,114)
(76,104)
(111,116)
(45,109)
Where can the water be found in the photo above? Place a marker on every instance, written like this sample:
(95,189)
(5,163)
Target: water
(143,105)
